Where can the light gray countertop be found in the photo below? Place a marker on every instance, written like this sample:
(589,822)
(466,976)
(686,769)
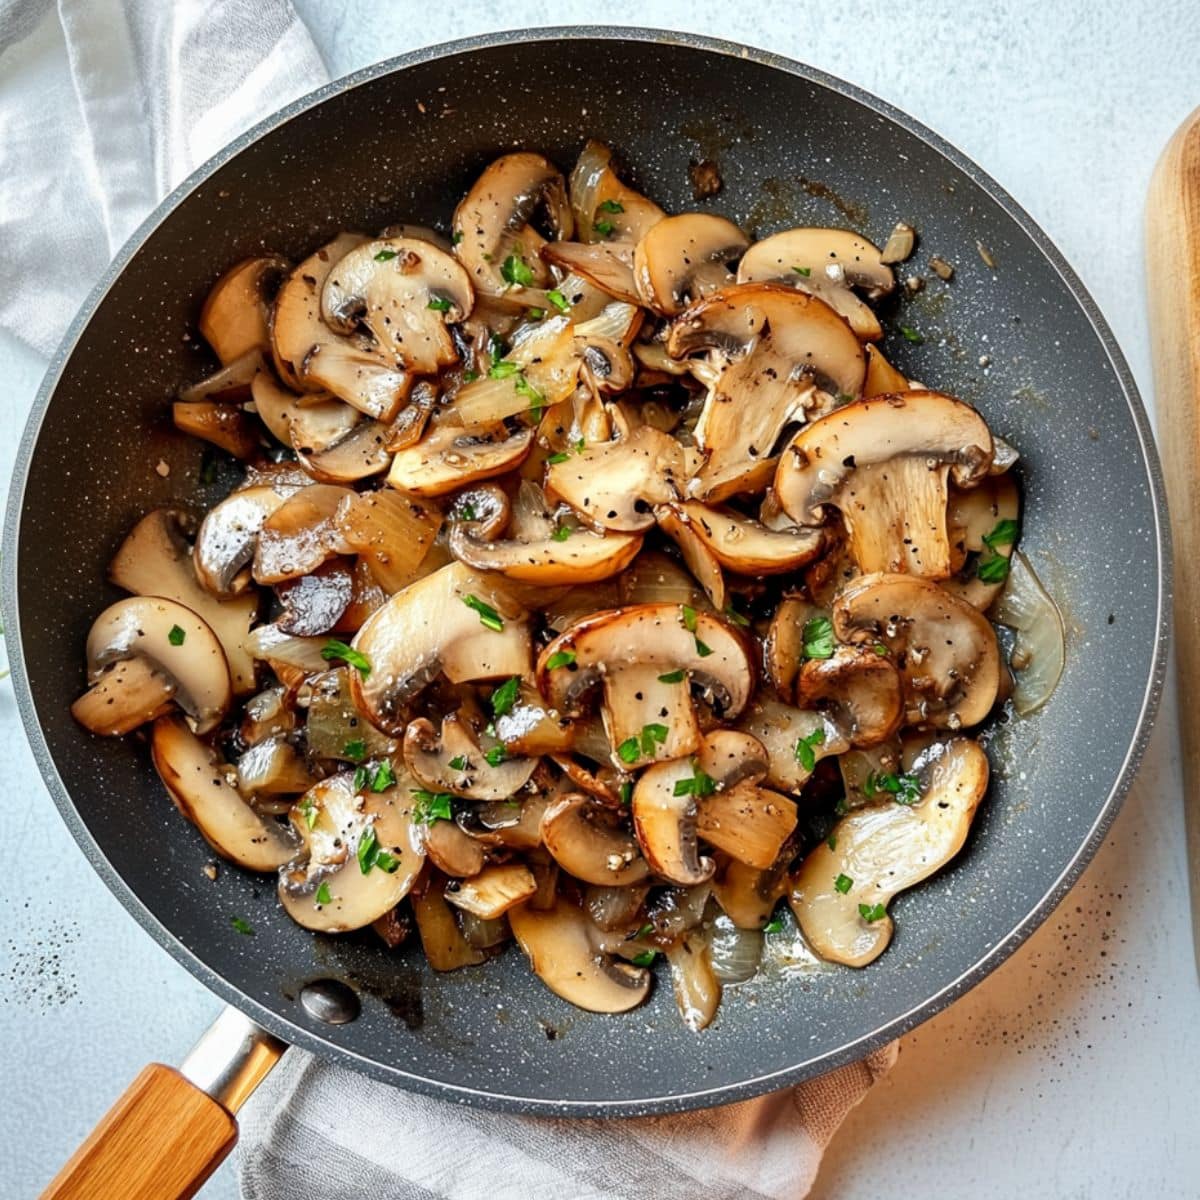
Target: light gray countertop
(1071,1071)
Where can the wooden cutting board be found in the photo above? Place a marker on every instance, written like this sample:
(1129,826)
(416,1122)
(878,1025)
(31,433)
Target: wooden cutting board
(1173,282)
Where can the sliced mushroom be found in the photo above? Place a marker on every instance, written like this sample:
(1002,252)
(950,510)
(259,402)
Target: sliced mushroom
(748,547)
(683,258)
(236,315)
(882,378)
(228,535)
(780,729)
(588,842)
(231,385)
(783,647)
(945,648)
(361,453)
(452,850)
(829,263)
(646,656)
(885,464)
(307,428)
(606,265)
(202,787)
(431,628)
(843,886)
(363,854)
(493,221)
(441,937)
(449,457)
(454,762)
(861,689)
(226,426)
(979,521)
(406,292)
(492,892)
(300,534)
(563,950)
(615,485)
(184,661)
(598,197)
(696,552)
(569,555)
(484,510)
(777,349)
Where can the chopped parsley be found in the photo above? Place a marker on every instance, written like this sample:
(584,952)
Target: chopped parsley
(818,638)
(561,533)
(911,335)
(333,649)
(323,896)
(559,301)
(700,784)
(653,735)
(431,806)
(703,648)
(466,512)
(242,926)
(805,271)
(535,314)
(831,841)
(554,459)
(439,304)
(505,696)
(689,617)
(208,467)
(470,376)
(496,348)
(603,228)
(627,751)
(637,935)
(503,370)
(360,778)
(537,402)
(774,925)
(625,792)
(993,568)
(673,676)
(645,959)
(904,789)
(309,811)
(355,751)
(385,255)
(496,755)
(872,913)
(560,658)
(1004,534)
(881,649)
(735,616)
(383,778)
(458,762)
(611,206)
(176,635)
(489,618)
(842,884)
(806,754)
(516,270)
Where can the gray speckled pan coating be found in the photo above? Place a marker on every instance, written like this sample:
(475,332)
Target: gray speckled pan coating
(401,141)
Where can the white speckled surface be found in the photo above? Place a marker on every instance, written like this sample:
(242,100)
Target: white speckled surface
(1070,1072)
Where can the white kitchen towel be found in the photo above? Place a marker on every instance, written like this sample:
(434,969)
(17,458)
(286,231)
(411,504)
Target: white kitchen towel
(105,105)
(318,1131)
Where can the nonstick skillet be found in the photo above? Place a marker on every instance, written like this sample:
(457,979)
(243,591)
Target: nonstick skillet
(1015,334)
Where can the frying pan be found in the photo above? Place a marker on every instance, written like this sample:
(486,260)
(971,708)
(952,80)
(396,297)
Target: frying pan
(1020,339)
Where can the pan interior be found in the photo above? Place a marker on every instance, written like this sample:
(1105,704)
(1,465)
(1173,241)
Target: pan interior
(793,148)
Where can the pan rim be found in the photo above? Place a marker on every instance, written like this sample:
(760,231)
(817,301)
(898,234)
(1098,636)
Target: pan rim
(728,1093)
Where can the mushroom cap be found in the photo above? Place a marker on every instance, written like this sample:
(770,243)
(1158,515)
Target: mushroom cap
(228,535)
(945,648)
(586,839)
(491,893)
(580,557)
(236,313)
(884,849)
(308,428)
(779,728)
(176,643)
(563,949)
(748,547)
(860,687)
(449,457)
(682,258)
(406,291)
(430,756)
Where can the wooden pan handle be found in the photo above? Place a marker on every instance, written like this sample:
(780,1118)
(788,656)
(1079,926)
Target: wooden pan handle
(172,1129)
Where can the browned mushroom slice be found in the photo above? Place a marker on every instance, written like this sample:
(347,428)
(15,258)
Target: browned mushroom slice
(363,854)
(829,263)
(841,891)
(563,949)
(588,841)
(441,937)
(406,292)
(317,602)
(747,894)
(130,694)
(748,822)
(492,225)
(360,454)
(697,988)
(274,767)
(782,357)
(236,315)
(861,689)
(226,426)
(683,258)
(748,547)
(885,465)
(185,660)
(615,485)
(947,651)
(451,850)
(448,458)
(437,626)
(983,524)
(300,534)
(200,785)
(795,740)
(391,531)
(228,535)
(783,647)
(232,384)
(882,378)
(453,761)
(615,908)
(605,209)
(697,553)
(155,560)
(307,428)
(492,892)
(606,265)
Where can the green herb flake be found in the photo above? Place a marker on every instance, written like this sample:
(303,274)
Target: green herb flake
(243,927)
(355,751)
(323,895)
(700,783)
(496,348)
(689,617)
(516,271)
(992,568)
(673,677)
(774,925)
(559,301)
(208,467)
(653,735)
(309,811)
(645,959)
(368,849)
(386,862)
(489,618)
(703,648)
(383,778)
(176,635)
(805,271)
(872,913)
(385,255)
(818,638)
(360,778)
(611,206)
(456,237)
(535,314)
(458,762)
(561,533)
(881,649)
(1004,534)
(470,376)
(560,658)
(537,402)
(831,841)
(904,789)
(580,446)
(554,459)
(603,228)
(505,696)
(439,304)
(627,751)
(842,884)
(911,335)
(735,616)
(333,649)
(431,806)
(503,370)
(625,792)
(496,755)
(466,512)
(637,935)
(805,749)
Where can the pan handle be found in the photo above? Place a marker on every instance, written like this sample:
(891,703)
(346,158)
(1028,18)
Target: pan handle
(171,1129)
